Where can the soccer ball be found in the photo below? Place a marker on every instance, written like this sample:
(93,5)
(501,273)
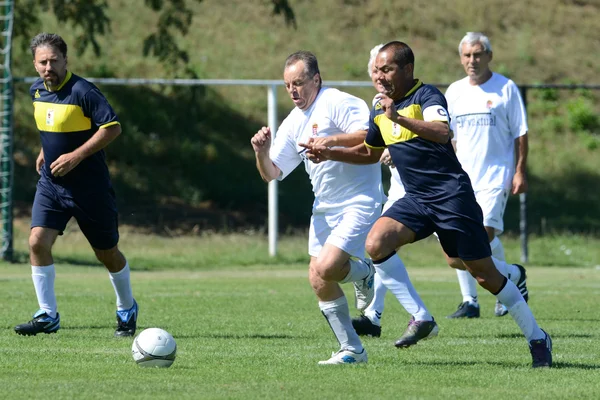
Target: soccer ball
(154,347)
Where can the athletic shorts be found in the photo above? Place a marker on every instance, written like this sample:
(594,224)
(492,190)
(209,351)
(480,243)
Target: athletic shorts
(96,213)
(493,203)
(346,229)
(458,223)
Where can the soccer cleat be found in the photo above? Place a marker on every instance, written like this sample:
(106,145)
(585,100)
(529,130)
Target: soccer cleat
(541,352)
(364,327)
(522,282)
(364,289)
(465,310)
(417,330)
(500,309)
(346,357)
(41,323)
(126,321)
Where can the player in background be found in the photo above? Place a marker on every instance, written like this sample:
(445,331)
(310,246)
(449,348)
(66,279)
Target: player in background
(411,119)
(347,201)
(490,125)
(76,123)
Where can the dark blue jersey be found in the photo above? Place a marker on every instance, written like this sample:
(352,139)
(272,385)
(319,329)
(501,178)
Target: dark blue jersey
(429,171)
(66,118)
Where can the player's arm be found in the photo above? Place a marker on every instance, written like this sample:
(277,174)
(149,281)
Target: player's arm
(435,131)
(360,154)
(520,178)
(99,140)
(261,143)
(39,162)
(341,139)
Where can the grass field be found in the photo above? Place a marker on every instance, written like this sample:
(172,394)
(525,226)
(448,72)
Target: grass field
(256,332)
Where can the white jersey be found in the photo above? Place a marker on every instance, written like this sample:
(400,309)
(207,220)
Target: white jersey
(486,120)
(335,184)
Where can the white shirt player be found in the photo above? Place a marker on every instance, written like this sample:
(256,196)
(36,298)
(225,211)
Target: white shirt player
(335,184)
(486,120)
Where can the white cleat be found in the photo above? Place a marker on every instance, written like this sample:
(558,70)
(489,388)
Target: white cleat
(346,357)
(364,289)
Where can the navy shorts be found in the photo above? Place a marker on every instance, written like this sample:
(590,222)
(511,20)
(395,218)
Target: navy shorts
(458,222)
(96,213)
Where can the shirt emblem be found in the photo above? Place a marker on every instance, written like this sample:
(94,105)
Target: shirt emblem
(37,94)
(315,129)
(50,117)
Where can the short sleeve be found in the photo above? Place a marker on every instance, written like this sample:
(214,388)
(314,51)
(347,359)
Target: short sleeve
(351,114)
(284,152)
(517,115)
(96,107)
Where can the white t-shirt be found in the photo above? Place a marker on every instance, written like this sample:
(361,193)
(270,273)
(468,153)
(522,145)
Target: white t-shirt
(486,120)
(335,184)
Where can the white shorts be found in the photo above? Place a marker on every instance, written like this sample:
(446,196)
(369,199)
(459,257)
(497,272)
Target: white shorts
(345,229)
(493,203)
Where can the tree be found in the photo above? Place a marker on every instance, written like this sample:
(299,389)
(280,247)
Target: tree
(91,19)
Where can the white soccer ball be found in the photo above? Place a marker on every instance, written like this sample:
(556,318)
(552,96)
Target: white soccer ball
(154,347)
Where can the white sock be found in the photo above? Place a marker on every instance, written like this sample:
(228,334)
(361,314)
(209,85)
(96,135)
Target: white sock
(359,269)
(375,310)
(497,249)
(508,270)
(393,275)
(468,286)
(520,311)
(337,313)
(43,282)
(122,284)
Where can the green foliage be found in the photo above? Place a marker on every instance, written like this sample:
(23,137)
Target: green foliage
(184,158)
(582,116)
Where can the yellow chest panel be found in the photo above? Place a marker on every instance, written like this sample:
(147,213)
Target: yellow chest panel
(52,117)
(394,133)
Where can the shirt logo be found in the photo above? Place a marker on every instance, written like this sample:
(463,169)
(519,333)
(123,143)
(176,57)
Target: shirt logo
(37,94)
(442,112)
(50,117)
(396,129)
(315,129)
(489,104)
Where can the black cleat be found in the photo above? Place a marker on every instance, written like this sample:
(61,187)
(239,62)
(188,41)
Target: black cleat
(41,323)
(465,310)
(541,352)
(126,321)
(364,327)
(416,331)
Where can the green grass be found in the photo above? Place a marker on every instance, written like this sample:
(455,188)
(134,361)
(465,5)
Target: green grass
(185,250)
(257,333)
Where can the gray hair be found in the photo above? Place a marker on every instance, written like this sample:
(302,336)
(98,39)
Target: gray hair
(475,37)
(311,66)
(48,39)
(372,56)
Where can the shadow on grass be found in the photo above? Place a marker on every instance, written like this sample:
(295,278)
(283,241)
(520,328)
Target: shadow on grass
(511,365)
(553,335)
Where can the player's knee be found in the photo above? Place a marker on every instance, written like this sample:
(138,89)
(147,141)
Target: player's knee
(323,271)
(375,247)
(39,246)
(456,263)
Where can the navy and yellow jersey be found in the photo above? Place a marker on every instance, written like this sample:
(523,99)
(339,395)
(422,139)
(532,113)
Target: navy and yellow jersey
(429,170)
(66,118)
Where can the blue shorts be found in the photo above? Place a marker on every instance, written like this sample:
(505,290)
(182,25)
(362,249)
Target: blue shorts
(96,213)
(458,222)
